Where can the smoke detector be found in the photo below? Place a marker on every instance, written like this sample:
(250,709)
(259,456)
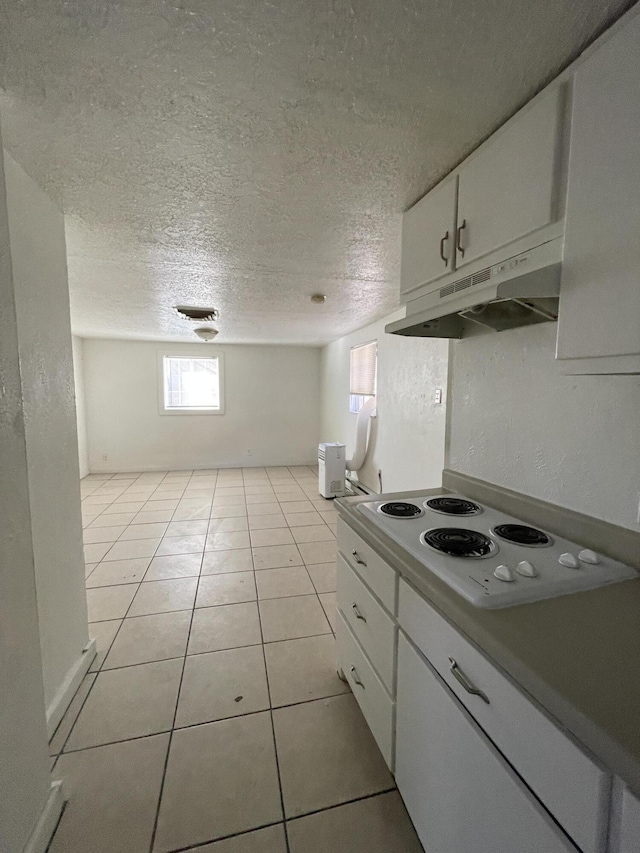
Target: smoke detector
(206,333)
(197,315)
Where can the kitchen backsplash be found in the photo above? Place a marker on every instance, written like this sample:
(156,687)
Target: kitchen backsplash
(517,422)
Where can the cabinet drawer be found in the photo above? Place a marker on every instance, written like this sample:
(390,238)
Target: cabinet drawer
(377,574)
(375,703)
(368,620)
(569,783)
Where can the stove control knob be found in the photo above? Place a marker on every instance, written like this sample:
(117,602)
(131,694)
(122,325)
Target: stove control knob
(525,569)
(568,560)
(588,556)
(503,573)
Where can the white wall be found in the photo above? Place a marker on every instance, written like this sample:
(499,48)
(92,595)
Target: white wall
(23,737)
(407,438)
(516,421)
(81,417)
(38,254)
(272,408)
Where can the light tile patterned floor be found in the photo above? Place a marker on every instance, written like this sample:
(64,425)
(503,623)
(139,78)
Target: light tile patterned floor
(212,718)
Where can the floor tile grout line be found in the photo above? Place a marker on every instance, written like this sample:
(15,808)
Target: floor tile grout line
(175,716)
(97,673)
(198,724)
(273,731)
(123,619)
(201,844)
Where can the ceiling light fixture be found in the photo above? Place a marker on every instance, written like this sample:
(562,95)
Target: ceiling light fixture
(206,333)
(318,298)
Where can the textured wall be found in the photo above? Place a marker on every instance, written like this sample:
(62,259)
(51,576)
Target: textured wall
(250,153)
(271,408)
(516,421)
(23,736)
(81,415)
(407,438)
(36,230)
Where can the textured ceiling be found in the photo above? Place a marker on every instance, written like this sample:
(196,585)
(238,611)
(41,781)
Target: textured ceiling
(246,154)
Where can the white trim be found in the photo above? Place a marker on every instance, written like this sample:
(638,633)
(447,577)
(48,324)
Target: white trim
(150,469)
(67,690)
(170,353)
(47,822)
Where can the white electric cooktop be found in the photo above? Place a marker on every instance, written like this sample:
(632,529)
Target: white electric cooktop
(490,558)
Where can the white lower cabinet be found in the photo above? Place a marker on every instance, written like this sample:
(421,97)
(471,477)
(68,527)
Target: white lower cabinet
(375,702)
(627,832)
(480,766)
(462,795)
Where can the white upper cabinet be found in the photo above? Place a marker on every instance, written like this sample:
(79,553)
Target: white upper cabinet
(507,189)
(503,193)
(599,323)
(428,233)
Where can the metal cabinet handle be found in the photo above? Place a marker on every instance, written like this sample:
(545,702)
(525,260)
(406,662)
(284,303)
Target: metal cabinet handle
(359,615)
(442,254)
(459,236)
(358,558)
(356,677)
(459,675)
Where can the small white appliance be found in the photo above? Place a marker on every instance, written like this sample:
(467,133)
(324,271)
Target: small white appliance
(331,469)
(490,558)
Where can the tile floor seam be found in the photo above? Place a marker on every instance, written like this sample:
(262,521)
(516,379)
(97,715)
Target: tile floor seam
(343,803)
(175,716)
(100,668)
(84,702)
(273,732)
(119,740)
(58,822)
(201,844)
(97,675)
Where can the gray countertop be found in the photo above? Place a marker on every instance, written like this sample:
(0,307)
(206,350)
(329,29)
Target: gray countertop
(578,656)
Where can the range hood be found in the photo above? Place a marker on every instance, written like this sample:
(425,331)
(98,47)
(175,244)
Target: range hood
(518,291)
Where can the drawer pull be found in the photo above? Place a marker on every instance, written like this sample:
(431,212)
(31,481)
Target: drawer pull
(358,558)
(356,677)
(459,675)
(356,610)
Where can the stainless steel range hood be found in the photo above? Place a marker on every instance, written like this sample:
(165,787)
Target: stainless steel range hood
(519,291)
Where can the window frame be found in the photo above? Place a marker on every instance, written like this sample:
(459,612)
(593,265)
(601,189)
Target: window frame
(162,354)
(363,398)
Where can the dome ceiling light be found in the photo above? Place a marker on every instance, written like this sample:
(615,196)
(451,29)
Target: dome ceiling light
(206,333)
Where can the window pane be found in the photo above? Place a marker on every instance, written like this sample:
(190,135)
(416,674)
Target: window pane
(357,401)
(191,383)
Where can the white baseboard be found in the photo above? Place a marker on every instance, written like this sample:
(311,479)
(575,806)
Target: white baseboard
(62,699)
(150,469)
(47,822)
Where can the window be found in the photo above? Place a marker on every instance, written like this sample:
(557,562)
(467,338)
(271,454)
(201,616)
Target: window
(362,370)
(191,384)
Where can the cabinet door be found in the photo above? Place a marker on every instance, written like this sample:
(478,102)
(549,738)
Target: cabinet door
(428,237)
(460,792)
(508,189)
(630,824)
(600,292)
